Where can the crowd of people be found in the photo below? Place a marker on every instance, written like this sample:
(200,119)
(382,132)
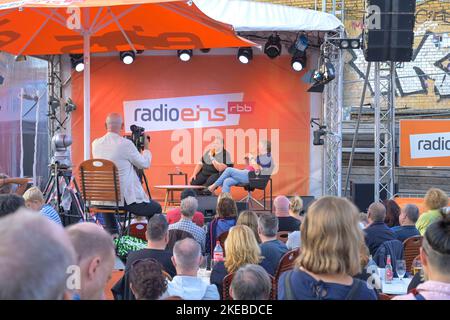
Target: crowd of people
(333,242)
(333,238)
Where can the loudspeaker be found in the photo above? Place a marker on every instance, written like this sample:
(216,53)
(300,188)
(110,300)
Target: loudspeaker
(362,194)
(389,30)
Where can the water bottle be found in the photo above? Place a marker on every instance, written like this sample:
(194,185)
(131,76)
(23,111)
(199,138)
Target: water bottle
(218,253)
(389,273)
(372,267)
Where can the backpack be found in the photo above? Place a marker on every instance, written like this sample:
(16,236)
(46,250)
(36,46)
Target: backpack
(126,244)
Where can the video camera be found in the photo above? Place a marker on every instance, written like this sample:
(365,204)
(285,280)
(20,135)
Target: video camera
(137,137)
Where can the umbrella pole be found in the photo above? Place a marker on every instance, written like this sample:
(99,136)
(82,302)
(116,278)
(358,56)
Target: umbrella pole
(87,95)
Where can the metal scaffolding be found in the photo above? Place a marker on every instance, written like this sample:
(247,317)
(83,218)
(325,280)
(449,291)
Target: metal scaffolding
(332,118)
(384,136)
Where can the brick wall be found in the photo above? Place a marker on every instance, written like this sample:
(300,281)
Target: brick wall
(432,55)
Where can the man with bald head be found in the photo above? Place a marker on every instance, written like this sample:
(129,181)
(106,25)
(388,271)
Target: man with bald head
(377,232)
(112,146)
(96,256)
(35,258)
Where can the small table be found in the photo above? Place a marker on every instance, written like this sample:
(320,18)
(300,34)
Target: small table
(171,177)
(177,187)
(396,287)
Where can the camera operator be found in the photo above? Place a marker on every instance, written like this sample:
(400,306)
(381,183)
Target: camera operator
(112,146)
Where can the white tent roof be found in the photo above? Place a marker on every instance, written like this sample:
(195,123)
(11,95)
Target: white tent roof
(259,16)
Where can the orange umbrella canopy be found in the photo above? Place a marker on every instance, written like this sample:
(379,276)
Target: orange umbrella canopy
(57,26)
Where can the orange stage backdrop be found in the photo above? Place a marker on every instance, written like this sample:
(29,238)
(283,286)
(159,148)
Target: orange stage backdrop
(264,99)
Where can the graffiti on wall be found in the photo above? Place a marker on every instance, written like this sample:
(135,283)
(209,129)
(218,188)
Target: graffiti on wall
(429,69)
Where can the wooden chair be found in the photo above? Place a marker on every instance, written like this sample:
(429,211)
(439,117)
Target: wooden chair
(227,284)
(283,236)
(223,236)
(99,181)
(138,230)
(287,262)
(383,296)
(411,249)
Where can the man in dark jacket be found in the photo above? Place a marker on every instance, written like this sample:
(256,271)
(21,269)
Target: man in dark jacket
(377,232)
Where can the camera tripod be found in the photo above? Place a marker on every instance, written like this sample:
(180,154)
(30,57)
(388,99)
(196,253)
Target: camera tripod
(141,175)
(59,182)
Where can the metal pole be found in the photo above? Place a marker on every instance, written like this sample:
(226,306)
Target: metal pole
(377,133)
(340,104)
(87,87)
(392,128)
(324,5)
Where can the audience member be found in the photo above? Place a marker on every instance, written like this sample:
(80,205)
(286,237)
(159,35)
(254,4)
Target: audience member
(377,232)
(34,200)
(408,218)
(272,249)
(175,236)
(250,282)
(296,208)
(12,185)
(435,258)
(174,215)
(188,208)
(363,220)
(226,215)
(294,240)
(250,219)
(35,256)
(147,280)
(392,213)
(10,203)
(241,248)
(330,255)
(96,257)
(285,221)
(187,257)
(435,200)
(157,238)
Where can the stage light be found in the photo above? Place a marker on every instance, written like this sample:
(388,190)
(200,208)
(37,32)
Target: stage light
(324,75)
(77,62)
(318,136)
(127,57)
(20,58)
(185,55)
(349,44)
(245,55)
(273,47)
(298,61)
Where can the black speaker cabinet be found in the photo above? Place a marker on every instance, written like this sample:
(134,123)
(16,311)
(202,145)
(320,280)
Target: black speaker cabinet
(393,38)
(362,194)
(207,205)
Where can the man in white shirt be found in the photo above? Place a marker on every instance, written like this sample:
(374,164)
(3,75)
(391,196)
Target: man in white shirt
(112,146)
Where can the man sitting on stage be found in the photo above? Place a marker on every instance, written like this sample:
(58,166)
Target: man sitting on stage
(213,163)
(112,146)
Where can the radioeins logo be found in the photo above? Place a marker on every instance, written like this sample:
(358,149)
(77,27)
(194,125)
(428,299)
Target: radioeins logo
(187,112)
(430,145)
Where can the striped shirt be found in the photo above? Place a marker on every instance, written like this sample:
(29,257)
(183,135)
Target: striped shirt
(48,211)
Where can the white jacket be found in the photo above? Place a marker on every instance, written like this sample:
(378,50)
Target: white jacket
(124,154)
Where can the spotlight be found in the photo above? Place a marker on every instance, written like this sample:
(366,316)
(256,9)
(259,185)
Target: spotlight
(127,57)
(319,135)
(349,44)
(245,55)
(20,58)
(298,61)
(77,62)
(185,55)
(324,75)
(273,47)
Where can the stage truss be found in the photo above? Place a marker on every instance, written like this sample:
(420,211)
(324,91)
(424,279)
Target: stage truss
(332,118)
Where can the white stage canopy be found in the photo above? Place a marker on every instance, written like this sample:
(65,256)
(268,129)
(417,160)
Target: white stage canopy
(247,16)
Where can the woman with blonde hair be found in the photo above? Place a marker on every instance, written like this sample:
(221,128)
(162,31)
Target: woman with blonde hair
(296,207)
(241,248)
(250,219)
(330,255)
(435,200)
